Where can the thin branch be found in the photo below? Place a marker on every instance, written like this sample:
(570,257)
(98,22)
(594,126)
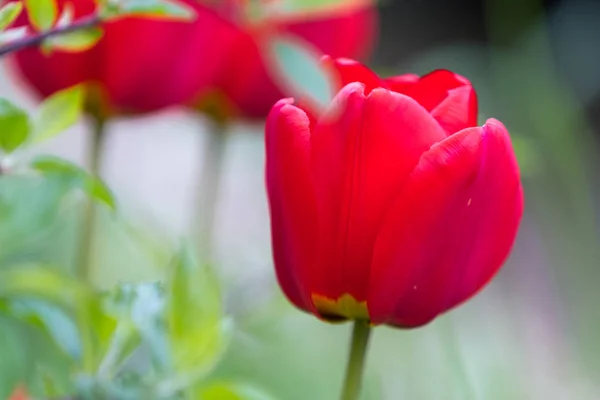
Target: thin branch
(33,40)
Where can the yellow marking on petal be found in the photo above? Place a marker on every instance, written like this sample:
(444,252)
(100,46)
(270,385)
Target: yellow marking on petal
(345,306)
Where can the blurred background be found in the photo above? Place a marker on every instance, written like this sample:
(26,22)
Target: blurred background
(532,334)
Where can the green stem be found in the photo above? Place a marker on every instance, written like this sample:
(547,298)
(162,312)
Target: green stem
(86,244)
(208,191)
(125,334)
(356,360)
(38,38)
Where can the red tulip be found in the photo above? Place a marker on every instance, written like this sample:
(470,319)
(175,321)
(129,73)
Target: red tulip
(215,63)
(140,64)
(392,205)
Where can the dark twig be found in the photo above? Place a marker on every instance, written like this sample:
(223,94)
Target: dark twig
(36,39)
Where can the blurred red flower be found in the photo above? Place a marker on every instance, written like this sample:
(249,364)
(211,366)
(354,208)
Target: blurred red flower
(392,205)
(348,30)
(214,63)
(20,393)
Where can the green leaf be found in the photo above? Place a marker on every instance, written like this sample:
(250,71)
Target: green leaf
(29,215)
(30,358)
(194,311)
(76,41)
(42,13)
(53,320)
(76,176)
(147,313)
(9,12)
(121,320)
(298,69)
(14,126)
(58,112)
(258,10)
(162,9)
(231,391)
(42,282)
(97,326)
(138,309)
(297,5)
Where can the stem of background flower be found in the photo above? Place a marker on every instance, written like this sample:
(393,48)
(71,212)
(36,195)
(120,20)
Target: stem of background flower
(86,244)
(36,39)
(208,190)
(356,360)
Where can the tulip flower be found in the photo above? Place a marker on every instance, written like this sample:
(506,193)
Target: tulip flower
(391,206)
(140,64)
(214,64)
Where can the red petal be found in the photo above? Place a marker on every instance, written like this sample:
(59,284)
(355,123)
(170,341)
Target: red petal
(433,88)
(253,92)
(348,71)
(363,150)
(498,198)
(458,111)
(402,83)
(175,70)
(449,231)
(348,31)
(406,276)
(329,147)
(291,199)
(448,96)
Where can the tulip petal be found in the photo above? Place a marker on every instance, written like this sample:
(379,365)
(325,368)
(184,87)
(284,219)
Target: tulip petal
(253,92)
(363,149)
(348,71)
(336,128)
(450,229)
(121,73)
(448,96)
(500,195)
(348,31)
(458,111)
(291,199)
(414,232)
(131,42)
(402,83)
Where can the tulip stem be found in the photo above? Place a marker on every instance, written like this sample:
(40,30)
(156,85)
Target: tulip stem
(356,360)
(208,189)
(86,244)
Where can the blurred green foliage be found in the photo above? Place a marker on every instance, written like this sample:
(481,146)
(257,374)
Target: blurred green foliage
(15,126)
(9,12)
(42,13)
